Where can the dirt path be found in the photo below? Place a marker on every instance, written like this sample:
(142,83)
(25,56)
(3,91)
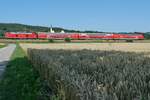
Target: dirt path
(5,54)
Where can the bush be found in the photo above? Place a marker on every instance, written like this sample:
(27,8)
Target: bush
(94,75)
(147,35)
(67,40)
(2,34)
(51,40)
(129,40)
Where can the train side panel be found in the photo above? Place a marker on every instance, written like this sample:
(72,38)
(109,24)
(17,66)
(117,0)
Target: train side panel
(62,35)
(13,35)
(44,35)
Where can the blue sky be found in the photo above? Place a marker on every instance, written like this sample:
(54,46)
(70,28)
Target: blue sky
(101,15)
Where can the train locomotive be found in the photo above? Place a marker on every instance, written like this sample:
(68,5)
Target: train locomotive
(44,35)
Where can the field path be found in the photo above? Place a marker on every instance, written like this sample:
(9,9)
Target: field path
(5,54)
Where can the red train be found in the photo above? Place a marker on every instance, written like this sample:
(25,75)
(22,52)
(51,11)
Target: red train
(20,35)
(43,35)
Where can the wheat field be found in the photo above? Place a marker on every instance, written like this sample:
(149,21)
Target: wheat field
(127,47)
(94,74)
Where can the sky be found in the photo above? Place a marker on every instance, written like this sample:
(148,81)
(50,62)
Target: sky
(98,15)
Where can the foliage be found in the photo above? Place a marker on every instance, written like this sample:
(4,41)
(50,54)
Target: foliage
(129,40)
(94,75)
(147,35)
(20,80)
(2,33)
(51,40)
(67,40)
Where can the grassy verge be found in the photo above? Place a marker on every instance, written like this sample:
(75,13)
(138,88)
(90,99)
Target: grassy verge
(1,46)
(72,41)
(20,81)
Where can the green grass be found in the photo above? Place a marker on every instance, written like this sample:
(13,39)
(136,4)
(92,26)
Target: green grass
(1,46)
(20,80)
(72,41)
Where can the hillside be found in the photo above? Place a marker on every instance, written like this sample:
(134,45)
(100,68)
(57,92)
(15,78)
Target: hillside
(21,27)
(29,28)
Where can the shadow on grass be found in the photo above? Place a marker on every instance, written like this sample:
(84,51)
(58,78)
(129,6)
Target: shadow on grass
(20,81)
(2,67)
